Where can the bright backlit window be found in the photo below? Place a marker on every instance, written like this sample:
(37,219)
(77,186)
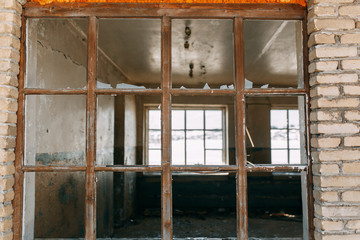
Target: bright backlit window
(198,136)
(285,137)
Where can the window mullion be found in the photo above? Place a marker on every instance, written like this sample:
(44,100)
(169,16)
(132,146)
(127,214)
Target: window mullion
(166,179)
(90,207)
(241,179)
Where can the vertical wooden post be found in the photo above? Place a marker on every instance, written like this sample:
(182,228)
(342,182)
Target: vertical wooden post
(241,178)
(166,181)
(90,203)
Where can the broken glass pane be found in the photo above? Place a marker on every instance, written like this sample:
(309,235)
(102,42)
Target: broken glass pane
(57,53)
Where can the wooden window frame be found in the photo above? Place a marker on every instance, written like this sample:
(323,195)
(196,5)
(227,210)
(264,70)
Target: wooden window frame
(165,12)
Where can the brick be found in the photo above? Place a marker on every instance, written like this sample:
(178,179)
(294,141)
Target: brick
(7,236)
(326,168)
(321,38)
(7,156)
(325,142)
(8,80)
(323,66)
(335,103)
(334,78)
(330,24)
(352,141)
(331,91)
(6,210)
(332,52)
(351,196)
(7,130)
(328,225)
(319,10)
(350,38)
(7,104)
(7,66)
(10,17)
(325,116)
(6,183)
(13,5)
(352,115)
(7,117)
(7,170)
(353,224)
(351,167)
(6,225)
(352,64)
(326,196)
(10,29)
(337,181)
(334,128)
(7,197)
(340,237)
(9,92)
(352,90)
(7,53)
(7,142)
(10,41)
(352,11)
(339,155)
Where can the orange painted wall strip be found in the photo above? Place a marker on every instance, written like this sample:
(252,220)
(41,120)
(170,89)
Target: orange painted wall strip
(301,2)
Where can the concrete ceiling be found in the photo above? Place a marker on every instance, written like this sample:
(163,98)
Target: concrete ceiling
(134,46)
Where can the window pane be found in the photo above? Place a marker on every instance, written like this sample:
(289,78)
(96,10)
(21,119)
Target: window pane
(278,118)
(275,206)
(214,157)
(202,53)
(121,131)
(178,147)
(154,139)
(295,157)
(194,147)
(273,53)
(128,206)
(213,140)
(57,53)
(129,53)
(55,130)
(154,157)
(178,119)
(279,156)
(194,119)
(213,119)
(294,139)
(204,207)
(294,119)
(154,119)
(52,201)
(278,139)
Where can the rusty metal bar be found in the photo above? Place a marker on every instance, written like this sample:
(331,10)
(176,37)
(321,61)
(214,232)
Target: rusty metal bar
(53,168)
(90,203)
(38,91)
(275,91)
(241,177)
(115,168)
(276,168)
(128,91)
(166,179)
(201,92)
(19,175)
(310,200)
(135,10)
